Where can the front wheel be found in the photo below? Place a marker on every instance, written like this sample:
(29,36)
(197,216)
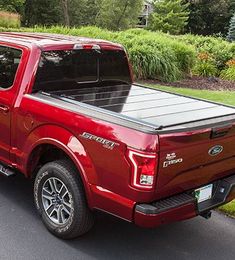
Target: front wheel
(60,200)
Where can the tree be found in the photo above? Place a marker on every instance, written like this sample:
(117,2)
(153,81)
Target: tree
(65,8)
(90,12)
(63,12)
(42,12)
(210,16)
(169,16)
(77,12)
(15,6)
(231,33)
(118,15)
(74,12)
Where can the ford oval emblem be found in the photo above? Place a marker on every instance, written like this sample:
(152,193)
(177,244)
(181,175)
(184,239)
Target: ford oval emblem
(216,150)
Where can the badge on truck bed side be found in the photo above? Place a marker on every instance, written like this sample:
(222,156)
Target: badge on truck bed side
(171,159)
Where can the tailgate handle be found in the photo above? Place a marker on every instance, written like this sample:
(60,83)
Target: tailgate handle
(220,131)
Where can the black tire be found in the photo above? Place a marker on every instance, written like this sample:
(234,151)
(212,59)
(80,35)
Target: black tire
(80,218)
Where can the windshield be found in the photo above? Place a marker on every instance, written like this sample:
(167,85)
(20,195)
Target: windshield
(72,69)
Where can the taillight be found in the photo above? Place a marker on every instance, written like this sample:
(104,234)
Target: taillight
(143,172)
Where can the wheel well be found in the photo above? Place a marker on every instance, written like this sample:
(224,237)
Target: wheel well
(43,154)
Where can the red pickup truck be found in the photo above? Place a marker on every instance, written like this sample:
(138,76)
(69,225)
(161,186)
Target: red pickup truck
(72,119)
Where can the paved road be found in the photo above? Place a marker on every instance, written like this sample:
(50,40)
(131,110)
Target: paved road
(22,236)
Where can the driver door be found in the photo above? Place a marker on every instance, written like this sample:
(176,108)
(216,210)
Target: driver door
(10,59)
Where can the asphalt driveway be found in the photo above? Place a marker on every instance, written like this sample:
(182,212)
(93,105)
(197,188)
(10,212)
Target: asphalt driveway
(23,236)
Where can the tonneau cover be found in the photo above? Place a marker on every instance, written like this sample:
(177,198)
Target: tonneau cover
(154,107)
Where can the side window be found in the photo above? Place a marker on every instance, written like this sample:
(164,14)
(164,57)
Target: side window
(9,62)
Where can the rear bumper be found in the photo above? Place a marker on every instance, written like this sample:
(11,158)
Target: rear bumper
(183,206)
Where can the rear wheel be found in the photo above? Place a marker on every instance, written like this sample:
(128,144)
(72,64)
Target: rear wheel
(60,200)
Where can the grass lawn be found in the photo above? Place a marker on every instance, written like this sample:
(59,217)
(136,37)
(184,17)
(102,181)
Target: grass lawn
(226,97)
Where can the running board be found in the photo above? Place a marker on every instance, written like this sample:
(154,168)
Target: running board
(6,171)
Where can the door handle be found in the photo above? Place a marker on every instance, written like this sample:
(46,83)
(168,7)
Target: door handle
(4,109)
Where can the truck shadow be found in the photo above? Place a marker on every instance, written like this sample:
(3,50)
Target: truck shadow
(112,238)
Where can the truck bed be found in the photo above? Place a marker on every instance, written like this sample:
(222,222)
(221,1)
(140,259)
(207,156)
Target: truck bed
(155,108)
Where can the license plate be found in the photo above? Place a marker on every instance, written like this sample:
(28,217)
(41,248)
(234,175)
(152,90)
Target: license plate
(204,193)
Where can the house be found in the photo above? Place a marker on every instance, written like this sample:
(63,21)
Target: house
(147,10)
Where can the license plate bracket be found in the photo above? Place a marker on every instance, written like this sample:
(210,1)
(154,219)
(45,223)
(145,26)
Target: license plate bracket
(204,193)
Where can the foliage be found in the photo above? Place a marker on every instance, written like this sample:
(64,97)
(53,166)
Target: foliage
(169,16)
(205,65)
(209,17)
(42,12)
(119,15)
(206,17)
(205,69)
(229,72)
(15,6)
(90,12)
(229,208)
(110,14)
(216,47)
(156,55)
(153,55)
(231,32)
(9,20)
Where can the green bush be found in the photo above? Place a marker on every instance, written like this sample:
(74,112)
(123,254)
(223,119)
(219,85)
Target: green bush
(221,50)
(157,55)
(9,20)
(205,69)
(172,59)
(151,63)
(205,65)
(228,73)
(153,55)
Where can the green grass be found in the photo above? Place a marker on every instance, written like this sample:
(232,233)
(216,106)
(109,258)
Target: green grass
(226,97)
(229,208)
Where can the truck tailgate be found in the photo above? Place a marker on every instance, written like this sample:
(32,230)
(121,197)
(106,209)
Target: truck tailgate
(189,160)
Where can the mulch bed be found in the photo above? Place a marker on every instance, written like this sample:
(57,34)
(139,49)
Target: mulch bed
(195,82)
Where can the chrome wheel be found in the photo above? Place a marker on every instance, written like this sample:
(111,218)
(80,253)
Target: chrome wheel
(57,201)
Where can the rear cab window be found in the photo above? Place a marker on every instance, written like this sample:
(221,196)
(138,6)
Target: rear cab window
(9,62)
(74,69)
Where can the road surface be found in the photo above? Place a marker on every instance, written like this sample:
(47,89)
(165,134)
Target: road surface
(23,236)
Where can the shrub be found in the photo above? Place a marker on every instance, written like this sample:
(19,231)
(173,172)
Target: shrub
(150,63)
(157,55)
(229,72)
(221,50)
(153,55)
(180,55)
(9,20)
(205,69)
(205,65)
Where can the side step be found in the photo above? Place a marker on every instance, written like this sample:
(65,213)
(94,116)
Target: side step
(6,171)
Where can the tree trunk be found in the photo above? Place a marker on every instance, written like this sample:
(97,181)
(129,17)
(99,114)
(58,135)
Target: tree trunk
(122,14)
(65,6)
